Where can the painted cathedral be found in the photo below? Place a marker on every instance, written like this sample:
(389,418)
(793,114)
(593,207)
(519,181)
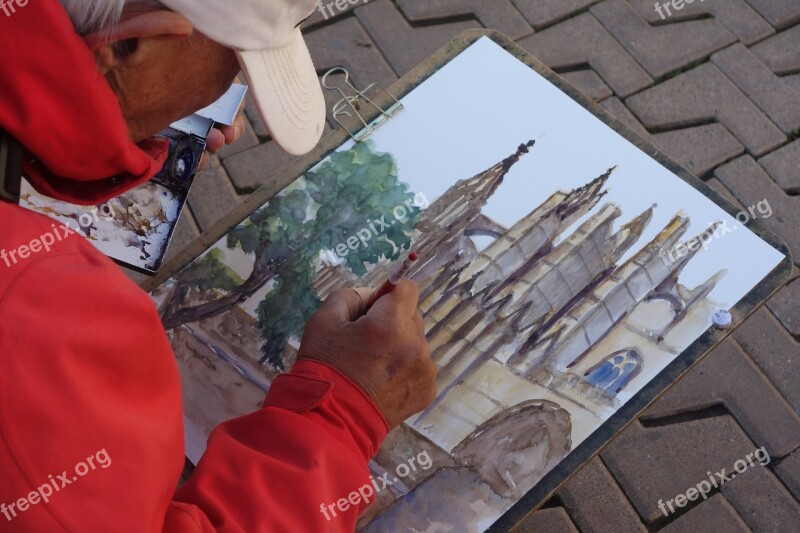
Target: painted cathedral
(545,313)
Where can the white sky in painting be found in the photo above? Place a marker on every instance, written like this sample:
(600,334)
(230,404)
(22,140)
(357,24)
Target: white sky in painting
(477,109)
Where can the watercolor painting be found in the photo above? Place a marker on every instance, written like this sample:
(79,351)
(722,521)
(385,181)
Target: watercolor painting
(133,228)
(554,285)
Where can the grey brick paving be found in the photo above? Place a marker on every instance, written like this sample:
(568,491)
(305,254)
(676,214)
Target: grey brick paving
(596,503)
(781,53)
(251,113)
(658,463)
(774,351)
(701,95)
(553,520)
(776,96)
(212,195)
(255,167)
(558,48)
(784,166)
(714,514)
(403,45)
(751,184)
(716,87)
(763,501)
(543,13)
(655,46)
(589,82)
(497,14)
(786,307)
(347,44)
(728,377)
(700,149)
(735,15)
(789,472)
(780,13)
(717,185)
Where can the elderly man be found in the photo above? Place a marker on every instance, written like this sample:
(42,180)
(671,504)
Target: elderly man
(91,435)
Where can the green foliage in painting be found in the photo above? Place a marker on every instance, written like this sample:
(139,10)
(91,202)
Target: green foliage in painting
(210,272)
(346,194)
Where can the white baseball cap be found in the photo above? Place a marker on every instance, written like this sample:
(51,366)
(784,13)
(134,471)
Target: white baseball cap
(273,55)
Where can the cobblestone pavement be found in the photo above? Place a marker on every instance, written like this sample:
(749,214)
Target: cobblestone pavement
(715,86)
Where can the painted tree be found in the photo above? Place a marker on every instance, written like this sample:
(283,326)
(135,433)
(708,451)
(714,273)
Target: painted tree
(351,193)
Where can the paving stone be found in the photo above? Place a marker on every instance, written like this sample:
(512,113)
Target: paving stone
(786,307)
(325,14)
(658,463)
(543,13)
(728,376)
(247,140)
(717,185)
(784,166)
(714,514)
(212,195)
(615,106)
(700,95)
(781,53)
(751,184)
(594,501)
(775,352)
(402,45)
(251,112)
(777,96)
(589,83)
(558,48)
(553,520)
(789,472)
(780,13)
(253,168)
(497,15)
(699,149)
(736,15)
(655,47)
(762,501)
(347,44)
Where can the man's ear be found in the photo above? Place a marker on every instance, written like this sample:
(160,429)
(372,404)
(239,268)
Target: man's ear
(151,25)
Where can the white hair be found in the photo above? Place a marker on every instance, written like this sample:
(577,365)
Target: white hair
(89,16)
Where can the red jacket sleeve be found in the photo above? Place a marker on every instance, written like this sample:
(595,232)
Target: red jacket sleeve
(91,435)
(298,464)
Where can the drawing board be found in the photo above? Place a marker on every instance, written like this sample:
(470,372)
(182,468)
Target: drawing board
(569,273)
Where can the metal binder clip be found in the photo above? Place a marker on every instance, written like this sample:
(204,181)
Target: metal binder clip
(355,102)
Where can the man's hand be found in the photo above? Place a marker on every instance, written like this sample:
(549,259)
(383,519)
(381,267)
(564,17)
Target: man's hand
(222,135)
(384,351)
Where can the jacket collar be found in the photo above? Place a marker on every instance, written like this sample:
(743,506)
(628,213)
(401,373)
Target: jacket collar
(61,109)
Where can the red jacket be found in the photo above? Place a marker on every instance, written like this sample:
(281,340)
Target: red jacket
(91,435)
